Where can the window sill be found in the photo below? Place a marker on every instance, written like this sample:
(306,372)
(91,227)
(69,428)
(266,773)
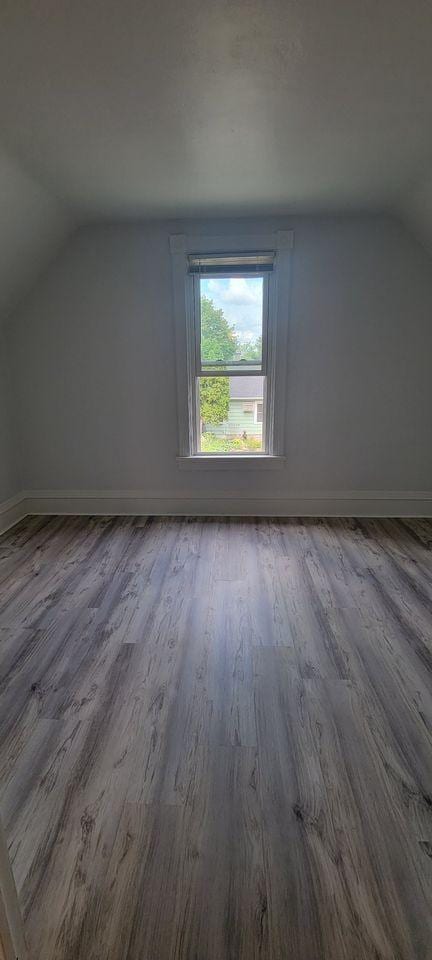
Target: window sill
(231,462)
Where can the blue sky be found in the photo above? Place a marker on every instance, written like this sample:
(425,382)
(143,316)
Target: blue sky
(240,298)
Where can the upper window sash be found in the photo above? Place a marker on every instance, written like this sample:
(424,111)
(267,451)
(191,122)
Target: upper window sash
(224,368)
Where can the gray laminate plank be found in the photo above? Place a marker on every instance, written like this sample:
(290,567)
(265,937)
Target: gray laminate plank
(216,737)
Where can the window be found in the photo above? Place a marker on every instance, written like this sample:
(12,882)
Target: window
(230,306)
(227,345)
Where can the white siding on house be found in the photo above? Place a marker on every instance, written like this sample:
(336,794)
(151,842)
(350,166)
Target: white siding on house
(241,419)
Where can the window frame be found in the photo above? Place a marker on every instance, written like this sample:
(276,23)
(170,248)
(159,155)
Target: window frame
(235,370)
(277,283)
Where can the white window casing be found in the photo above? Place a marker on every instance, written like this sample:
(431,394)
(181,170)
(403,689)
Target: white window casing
(275,265)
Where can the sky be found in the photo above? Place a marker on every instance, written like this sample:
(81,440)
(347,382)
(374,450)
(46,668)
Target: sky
(240,298)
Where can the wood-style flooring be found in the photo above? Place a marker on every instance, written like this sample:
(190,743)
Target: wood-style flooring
(216,737)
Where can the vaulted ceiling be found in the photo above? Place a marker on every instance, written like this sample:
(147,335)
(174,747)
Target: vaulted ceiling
(32,227)
(132,108)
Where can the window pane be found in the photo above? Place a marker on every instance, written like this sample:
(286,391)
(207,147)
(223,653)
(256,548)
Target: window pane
(231,321)
(227,414)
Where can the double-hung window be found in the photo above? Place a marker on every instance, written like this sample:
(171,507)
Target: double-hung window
(230,324)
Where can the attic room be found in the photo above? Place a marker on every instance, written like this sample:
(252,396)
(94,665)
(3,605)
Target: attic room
(215,480)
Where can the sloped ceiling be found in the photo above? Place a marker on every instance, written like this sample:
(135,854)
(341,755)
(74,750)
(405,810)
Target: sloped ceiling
(203,108)
(32,226)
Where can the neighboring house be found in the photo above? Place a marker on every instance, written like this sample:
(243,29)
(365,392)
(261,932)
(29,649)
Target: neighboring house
(245,409)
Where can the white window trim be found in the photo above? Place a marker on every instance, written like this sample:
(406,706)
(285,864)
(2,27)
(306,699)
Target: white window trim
(279,288)
(256,402)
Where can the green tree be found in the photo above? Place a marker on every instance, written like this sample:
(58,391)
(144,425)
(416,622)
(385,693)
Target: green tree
(218,342)
(218,339)
(251,351)
(214,399)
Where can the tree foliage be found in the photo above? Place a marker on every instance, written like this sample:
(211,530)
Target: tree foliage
(214,399)
(219,342)
(218,339)
(252,350)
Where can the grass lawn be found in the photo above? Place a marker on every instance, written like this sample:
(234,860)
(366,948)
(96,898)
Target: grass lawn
(210,443)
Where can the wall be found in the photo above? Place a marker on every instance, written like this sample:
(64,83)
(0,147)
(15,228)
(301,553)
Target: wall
(8,460)
(94,352)
(415,209)
(32,226)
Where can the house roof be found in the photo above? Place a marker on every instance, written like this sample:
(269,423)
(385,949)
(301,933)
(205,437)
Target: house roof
(242,388)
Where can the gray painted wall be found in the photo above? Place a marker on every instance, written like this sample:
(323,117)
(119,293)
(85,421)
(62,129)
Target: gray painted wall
(94,353)
(8,460)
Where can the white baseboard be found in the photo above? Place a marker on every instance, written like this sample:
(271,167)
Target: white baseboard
(12,511)
(353,503)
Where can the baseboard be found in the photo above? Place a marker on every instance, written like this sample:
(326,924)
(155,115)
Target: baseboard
(321,504)
(12,511)
(365,503)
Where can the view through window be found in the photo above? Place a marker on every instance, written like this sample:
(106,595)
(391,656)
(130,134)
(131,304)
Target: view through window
(231,340)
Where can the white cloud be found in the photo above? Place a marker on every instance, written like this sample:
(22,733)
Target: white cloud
(241,292)
(241,301)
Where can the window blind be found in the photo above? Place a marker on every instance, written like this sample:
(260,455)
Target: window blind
(243,263)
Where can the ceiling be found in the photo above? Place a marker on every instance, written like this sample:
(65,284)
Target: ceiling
(119,108)
(187,107)
(32,226)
